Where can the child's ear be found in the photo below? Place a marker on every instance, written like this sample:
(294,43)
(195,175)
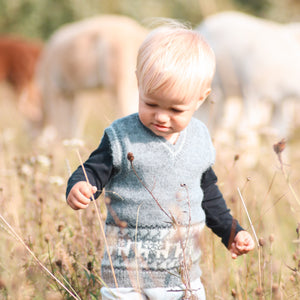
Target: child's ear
(203,97)
(205,94)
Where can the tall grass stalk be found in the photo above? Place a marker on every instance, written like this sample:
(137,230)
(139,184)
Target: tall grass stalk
(100,222)
(14,233)
(258,245)
(278,149)
(136,252)
(252,227)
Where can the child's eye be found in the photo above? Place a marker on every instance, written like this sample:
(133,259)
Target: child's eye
(151,104)
(177,110)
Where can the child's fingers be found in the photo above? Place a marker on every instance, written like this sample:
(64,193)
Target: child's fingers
(77,200)
(87,190)
(80,205)
(250,245)
(234,251)
(75,204)
(233,256)
(80,195)
(245,245)
(237,250)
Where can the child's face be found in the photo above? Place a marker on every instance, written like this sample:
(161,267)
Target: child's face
(165,115)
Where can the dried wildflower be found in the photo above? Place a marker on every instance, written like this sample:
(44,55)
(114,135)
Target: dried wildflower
(57,180)
(280,146)
(43,160)
(2,284)
(233,293)
(236,157)
(60,227)
(130,156)
(261,242)
(59,264)
(47,238)
(275,288)
(271,238)
(259,291)
(90,266)
(73,143)
(26,170)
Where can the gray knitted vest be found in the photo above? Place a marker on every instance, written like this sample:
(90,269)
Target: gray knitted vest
(148,251)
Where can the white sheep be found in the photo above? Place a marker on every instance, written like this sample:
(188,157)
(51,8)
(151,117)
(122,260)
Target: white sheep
(257,61)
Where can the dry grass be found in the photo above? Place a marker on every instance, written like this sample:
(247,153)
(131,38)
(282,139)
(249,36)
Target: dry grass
(32,200)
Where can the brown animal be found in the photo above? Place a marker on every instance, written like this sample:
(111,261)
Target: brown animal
(18,61)
(96,52)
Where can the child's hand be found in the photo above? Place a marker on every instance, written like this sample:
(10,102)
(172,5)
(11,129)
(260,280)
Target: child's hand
(242,244)
(80,194)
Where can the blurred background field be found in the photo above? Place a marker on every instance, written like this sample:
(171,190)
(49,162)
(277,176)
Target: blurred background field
(34,172)
(39,19)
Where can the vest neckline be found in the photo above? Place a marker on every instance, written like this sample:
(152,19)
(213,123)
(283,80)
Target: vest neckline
(174,148)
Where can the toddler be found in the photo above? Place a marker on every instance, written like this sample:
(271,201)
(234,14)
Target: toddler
(156,167)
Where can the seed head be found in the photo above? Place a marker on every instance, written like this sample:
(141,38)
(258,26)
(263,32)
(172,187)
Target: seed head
(298,230)
(261,242)
(279,147)
(275,288)
(2,284)
(90,266)
(236,157)
(60,227)
(259,291)
(47,238)
(130,156)
(59,263)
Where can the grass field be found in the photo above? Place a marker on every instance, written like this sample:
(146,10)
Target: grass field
(46,234)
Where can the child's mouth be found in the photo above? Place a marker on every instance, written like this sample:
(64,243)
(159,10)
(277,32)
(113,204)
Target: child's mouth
(160,127)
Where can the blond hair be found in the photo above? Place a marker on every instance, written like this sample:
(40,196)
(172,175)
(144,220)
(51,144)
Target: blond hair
(177,60)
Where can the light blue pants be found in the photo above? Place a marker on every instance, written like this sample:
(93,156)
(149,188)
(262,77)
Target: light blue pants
(152,294)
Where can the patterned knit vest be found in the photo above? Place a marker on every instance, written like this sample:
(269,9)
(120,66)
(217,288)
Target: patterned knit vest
(163,220)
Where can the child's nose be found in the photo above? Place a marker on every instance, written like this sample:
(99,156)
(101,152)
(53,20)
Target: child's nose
(161,117)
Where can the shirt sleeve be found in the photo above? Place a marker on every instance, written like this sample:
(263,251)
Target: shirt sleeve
(98,168)
(218,217)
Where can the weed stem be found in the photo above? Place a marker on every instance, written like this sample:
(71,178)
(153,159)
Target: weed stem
(100,222)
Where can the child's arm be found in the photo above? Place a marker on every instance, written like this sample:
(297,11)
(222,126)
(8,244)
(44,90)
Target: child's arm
(80,194)
(242,244)
(218,217)
(98,168)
